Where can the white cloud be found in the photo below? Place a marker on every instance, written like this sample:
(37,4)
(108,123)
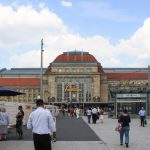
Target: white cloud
(66,3)
(25,26)
(144,56)
(30,59)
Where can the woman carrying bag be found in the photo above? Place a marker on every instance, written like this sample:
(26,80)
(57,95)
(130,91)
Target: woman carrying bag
(124,120)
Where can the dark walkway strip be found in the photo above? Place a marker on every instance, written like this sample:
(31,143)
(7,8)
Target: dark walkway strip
(68,129)
(72,129)
(27,134)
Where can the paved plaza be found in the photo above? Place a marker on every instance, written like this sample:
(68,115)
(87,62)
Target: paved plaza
(108,138)
(139,136)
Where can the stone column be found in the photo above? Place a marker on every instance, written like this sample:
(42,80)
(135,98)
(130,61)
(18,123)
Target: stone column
(63,91)
(77,91)
(84,98)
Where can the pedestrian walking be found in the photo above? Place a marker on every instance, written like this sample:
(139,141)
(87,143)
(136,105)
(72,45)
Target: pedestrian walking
(89,114)
(98,112)
(42,124)
(142,114)
(94,115)
(101,115)
(77,111)
(71,111)
(63,112)
(19,121)
(4,122)
(124,120)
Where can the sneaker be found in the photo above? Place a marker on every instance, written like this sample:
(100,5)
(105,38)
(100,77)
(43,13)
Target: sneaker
(121,144)
(127,145)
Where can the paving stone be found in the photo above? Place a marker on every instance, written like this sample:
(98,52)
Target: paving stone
(139,139)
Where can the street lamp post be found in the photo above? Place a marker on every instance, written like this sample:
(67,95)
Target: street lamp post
(149,77)
(148,93)
(41,77)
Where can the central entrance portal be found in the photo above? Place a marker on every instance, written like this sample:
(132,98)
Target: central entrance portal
(74,89)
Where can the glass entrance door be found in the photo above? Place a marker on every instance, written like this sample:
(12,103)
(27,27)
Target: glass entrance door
(74,96)
(130,107)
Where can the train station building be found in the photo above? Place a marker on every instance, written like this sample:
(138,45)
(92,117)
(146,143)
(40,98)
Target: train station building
(78,78)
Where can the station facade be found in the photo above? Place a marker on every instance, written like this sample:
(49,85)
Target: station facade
(77,78)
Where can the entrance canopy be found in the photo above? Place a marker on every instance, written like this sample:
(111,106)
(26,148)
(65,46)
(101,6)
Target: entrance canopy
(8,92)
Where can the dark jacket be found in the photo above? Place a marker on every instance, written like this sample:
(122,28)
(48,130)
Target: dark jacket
(124,120)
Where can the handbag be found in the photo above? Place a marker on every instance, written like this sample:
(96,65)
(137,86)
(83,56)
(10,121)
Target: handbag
(118,128)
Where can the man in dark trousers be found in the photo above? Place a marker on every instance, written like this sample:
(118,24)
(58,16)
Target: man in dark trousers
(142,114)
(42,124)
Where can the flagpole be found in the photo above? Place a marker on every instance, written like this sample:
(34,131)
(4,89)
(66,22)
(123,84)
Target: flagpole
(41,77)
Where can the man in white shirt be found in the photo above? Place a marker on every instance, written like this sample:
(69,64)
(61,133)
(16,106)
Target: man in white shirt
(89,114)
(41,122)
(142,114)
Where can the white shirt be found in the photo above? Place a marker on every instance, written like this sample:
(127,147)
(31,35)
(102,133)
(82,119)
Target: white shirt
(41,121)
(94,111)
(89,112)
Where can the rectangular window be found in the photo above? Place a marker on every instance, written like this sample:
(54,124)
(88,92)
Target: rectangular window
(81,92)
(89,69)
(59,92)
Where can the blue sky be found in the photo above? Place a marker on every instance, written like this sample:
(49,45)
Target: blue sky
(114,19)
(115,31)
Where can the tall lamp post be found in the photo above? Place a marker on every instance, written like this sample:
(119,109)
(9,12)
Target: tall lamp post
(41,77)
(149,77)
(148,93)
